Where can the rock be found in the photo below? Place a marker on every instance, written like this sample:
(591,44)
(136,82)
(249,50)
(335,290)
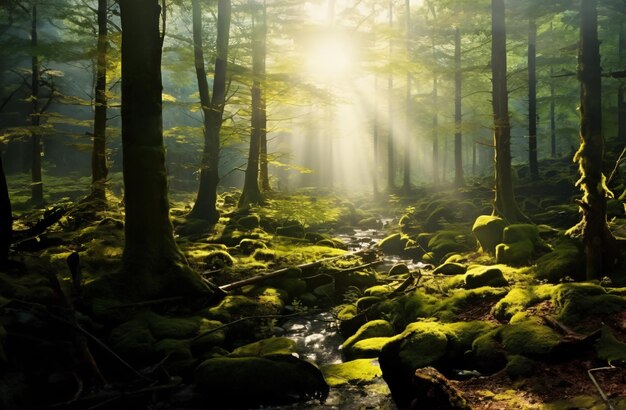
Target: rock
(218,259)
(450,268)
(233,305)
(373,329)
(264,255)
(445,242)
(432,391)
(294,230)
(367,348)
(489,231)
(326,291)
(247,246)
(308,299)
(519,366)
(398,269)
(378,290)
(518,299)
(394,244)
(358,372)
(206,341)
(293,286)
(370,223)
(517,253)
(484,276)
(366,302)
(266,347)
(252,382)
(249,221)
(565,260)
(520,232)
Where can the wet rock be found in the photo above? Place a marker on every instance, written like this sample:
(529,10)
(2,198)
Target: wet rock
(247,246)
(259,381)
(432,391)
(293,229)
(218,259)
(398,269)
(446,242)
(375,329)
(489,231)
(366,302)
(520,366)
(379,290)
(249,221)
(486,276)
(266,347)
(394,244)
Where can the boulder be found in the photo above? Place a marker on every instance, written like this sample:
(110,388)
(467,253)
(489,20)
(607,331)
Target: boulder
(484,276)
(450,268)
(489,231)
(432,391)
(516,253)
(373,329)
(358,372)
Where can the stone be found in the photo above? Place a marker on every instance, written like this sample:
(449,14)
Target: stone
(431,390)
(484,276)
(489,231)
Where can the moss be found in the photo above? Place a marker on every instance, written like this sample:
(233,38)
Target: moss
(529,339)
(489,231)
(518,366)
(266,347)
(565,260)
(247,246)
(174,348)
(519,299)
(218,259)
(206,341)
(487,352)
(579,300)
(484,276)
(233,305)
(461,335)
(517,253)
(367,302)
(379,290)
(579,402)
(294,287)
(445,242)
(448,308)
(356,372)
(609,348)
(133,339)
(367,348)
(450,268)
(308,299)
(520,232)
(347,312)
(398,269)
(265,381)
(272,300)
(375,328)
(394,244)
(405,309)
(263,254)
(293,230)
(172,328)
(249,221)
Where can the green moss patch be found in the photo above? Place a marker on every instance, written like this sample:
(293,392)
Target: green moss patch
(266,347)
(489,231)
(356,372)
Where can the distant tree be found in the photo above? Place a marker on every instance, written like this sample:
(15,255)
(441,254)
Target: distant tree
(212,108)
(458,113)
(600,245)
(6,217)
(264,176)
(532,97)
(504,204)
(153,263)
(251,193)
(37,149)
(406,177)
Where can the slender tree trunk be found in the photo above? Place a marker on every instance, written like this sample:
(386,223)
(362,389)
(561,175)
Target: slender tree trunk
(504,204)
(99,167)
(552,115)
(532,99)
(406,178)
(6,217)
(212,108)
(474,159)
(153,263)
(458,113)
(251,193)
(391,160)
(263,160)
(36,177)
(597,239)
(375,142)
(621,104)
(435,120)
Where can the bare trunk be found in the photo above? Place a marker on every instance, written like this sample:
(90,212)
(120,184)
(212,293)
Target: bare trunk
(391,160)
(36,152)
(458,113)
(406,178)
(6,217)
(621,104)
(532,99)
(264,175)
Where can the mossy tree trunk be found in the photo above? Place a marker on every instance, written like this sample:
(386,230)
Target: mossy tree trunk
(212,108)
(458,113)
(99,167)
(504,204)
(598,241)
(36,151)
(251,193)
(6,217)
(532,98)
(153,264)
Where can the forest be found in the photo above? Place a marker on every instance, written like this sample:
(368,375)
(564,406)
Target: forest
(317,204)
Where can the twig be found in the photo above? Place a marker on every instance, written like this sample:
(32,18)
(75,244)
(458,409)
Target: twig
(595,383)
(619,160)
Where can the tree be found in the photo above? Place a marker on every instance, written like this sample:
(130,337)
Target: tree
(504,204)
(251,193)
(264,176)
(406,178)
(599,243)
(37,183)
(152,261)
(212,108)
(99,167)
(532,97)
(458,113)
(6,217)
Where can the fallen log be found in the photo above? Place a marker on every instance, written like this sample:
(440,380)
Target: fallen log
(265,276)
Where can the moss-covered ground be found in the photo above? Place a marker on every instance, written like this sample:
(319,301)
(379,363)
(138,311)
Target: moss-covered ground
(501,310)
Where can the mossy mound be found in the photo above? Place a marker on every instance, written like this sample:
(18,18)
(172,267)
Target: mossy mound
(356,372)
(446,242)
(378,290)
(218,259)
(518,366)
(520,232)
(484,276)
(373,329)
(233,305)
(450,268)
(395,244)
(247,246)
(566,260)
(256,381)
(489,231)
(398,269)
(249,221)
(609,348)
(519,299)
(266,347)
(516,253)
(367,348)
(449,308)
(577,301)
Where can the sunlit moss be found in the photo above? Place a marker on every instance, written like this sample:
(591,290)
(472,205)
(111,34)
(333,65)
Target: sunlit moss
(356,372)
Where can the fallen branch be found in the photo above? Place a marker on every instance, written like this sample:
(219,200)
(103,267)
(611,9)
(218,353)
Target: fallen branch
(282,271)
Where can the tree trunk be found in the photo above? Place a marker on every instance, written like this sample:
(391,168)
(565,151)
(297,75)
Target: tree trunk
(6,217)
(212,109)
(598,240)
(153,263)
(621,104)
(375,142)
(99,168)
(552,115)
(36,178)
(391,160)
(251,193)
(532,99)
(458,113)
(435,129)
(264,176)
(504,204)
(406,185)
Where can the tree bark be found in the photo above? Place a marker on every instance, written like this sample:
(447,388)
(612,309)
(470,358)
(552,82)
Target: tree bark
(264,176)
(458,113)
(504,204)
(532,98)
(36,177)
(99,167)
(621,104)
(153,264)
(212,109)
(251,193)
(435,121)
(6,217)
(391,158)
(406,185)
(598,241)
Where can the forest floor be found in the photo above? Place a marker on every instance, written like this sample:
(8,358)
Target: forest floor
(403,277)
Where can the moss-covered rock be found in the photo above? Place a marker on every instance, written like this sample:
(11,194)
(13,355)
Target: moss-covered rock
(446,242)
(133,339)
(174,348)
(293,229)
(520,232)
(266,347)
(256,381)
(565,260)
(398,269)
(218,259)
(489,231)
(249,221)
(577,301)
(519,366)
(394,244)
(529,339)
(347,312)
(358,372)
(210,335)
(367,348)
(450,268)
(484,276)
(378,290)
(233,305)
(375,328)
(516,253)
(264,255)
(519,299)
(609,348)
(247,246)
(431,390)
(366,302)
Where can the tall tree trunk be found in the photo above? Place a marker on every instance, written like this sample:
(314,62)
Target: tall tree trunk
(552,115)
(99,167)
(6,217)
(406,178)
(153,263)
(264,175)
(251,193)
(435,127)
(458,113)
(391,158)
(36,178)
(598,240)
(621,103)
(212,108)
(504,204)
(375,142)
(532,98)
